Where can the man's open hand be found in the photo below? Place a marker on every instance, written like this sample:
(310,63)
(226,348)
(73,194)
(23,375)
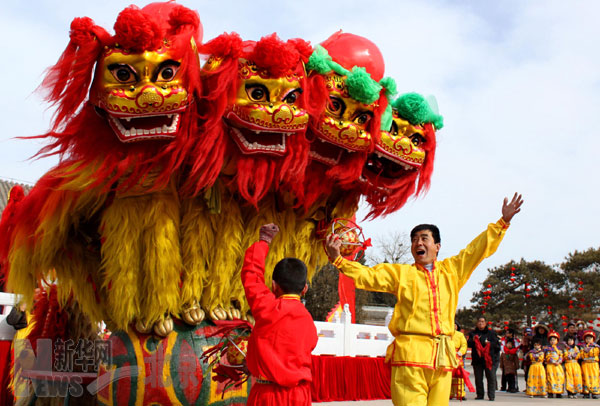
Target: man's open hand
(512,208)
(268,232)
(332,246)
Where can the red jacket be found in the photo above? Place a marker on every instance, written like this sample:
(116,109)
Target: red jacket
(280,346)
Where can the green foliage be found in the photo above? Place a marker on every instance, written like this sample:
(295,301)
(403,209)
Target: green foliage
(322,294)
(556,294)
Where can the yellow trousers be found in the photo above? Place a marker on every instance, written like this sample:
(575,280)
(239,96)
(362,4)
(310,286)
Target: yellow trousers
(414,386)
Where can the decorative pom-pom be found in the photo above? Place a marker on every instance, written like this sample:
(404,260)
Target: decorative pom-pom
(415,108)
(389,84)
(81,30)
(361,87)
(319,61)
(137,31)
(224,46)
(276,56)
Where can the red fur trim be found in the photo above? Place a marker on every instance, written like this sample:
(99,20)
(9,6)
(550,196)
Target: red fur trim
(50,320)
(427,169)
(384,202)
(67,82)
(137,31)
(255,175)
(7,224)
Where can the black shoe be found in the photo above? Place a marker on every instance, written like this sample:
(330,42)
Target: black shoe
(479,398)
(594,397)
(558,396)
(550,395)
(464,398)
(491,399)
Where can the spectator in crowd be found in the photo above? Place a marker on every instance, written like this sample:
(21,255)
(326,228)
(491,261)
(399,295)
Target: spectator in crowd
(485,352)
(571,332)
(525,347)
(509,335)
(571,355)
(541,333)
(536,378)
(580,332)
(555,375)
(509,363)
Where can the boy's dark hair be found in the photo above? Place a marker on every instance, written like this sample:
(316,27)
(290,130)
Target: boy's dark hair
(511,341)
(435,232)
(536,340)
(511,331)
(290,275)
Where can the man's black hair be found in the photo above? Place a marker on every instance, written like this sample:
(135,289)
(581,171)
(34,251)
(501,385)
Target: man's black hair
(571,324)
(290,275)
(435,232)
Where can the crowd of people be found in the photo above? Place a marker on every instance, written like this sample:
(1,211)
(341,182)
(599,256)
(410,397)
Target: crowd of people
(553,366)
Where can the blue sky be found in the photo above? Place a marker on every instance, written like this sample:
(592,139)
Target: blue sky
(518,83)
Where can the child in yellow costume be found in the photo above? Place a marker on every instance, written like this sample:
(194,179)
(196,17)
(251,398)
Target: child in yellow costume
(589,366)
(458,383)
(536,378)
(571,356)
(423,354)
(555,375)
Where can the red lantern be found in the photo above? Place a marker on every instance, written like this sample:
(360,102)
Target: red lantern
(582,299)
(550,325)
(512,274)
(598,318)
(505,327)
(591,321)
(545,295)
(549,307)
(545,289)
(580,288)
(565,317)
(580,282)
(570,302)
(489,286)
(570,306)
(564,330)
(550,313)
(512,279)
(483,312)
(506,322)
(533,317)
(527,295)
(564,323)
(512,268)
(582,306)
(489,322)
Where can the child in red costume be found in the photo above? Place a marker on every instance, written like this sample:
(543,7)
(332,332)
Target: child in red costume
(284,335)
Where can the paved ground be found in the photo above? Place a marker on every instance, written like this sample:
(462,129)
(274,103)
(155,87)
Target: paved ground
(515,399)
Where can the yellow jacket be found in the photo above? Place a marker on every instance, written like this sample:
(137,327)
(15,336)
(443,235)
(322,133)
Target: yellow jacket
(423,318)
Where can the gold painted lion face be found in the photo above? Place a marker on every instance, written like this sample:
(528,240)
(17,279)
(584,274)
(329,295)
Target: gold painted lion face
(266,110)
(344,124)
(400,151)
(141,93)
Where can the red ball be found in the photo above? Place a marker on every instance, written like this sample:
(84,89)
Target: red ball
(351,50)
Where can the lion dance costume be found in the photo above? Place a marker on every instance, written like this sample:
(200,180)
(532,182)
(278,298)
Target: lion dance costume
(168,167)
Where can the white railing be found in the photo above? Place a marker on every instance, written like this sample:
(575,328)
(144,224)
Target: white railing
(342,338)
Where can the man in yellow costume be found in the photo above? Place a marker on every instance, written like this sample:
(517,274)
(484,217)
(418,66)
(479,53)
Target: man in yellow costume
(423,354)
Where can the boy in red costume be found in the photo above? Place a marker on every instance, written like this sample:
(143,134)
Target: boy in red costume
(284,334)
